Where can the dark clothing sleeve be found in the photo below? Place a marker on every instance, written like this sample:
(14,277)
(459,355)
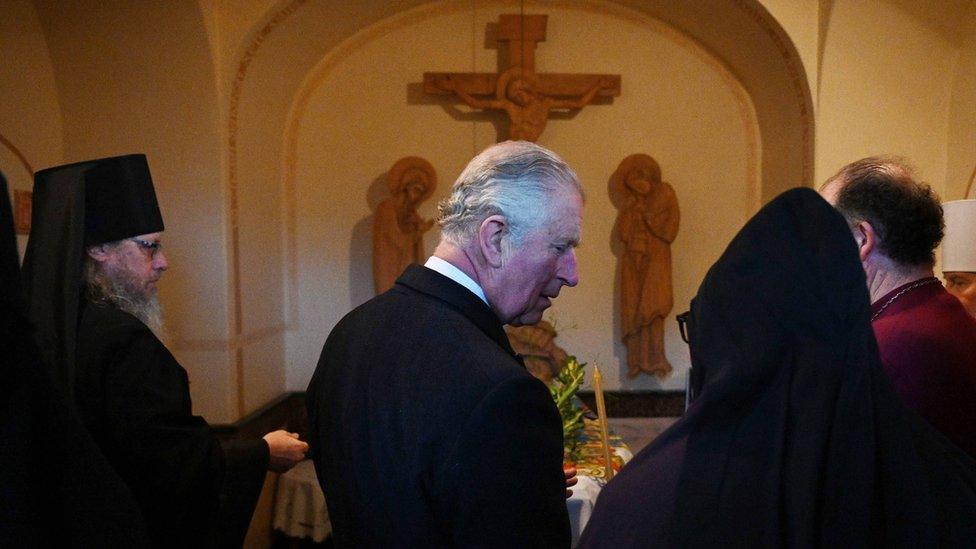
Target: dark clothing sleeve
(135,398)
(504,481)
(171,460)
(245,468)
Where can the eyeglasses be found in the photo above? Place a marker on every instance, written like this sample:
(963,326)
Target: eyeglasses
(153,247)
(683,319)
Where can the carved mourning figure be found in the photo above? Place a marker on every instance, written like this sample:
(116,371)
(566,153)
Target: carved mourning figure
(646,226)
(398,230)
(537,346)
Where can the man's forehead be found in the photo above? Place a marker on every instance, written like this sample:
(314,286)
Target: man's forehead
(151,237)
(566,219)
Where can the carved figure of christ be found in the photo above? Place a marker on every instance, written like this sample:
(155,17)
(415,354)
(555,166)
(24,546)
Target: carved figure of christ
(526,97)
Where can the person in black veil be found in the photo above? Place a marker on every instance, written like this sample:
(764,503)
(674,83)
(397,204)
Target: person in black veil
(56,487)
(794,438)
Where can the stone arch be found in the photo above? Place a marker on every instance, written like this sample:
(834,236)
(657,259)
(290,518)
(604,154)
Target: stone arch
(14,150)
(741,33)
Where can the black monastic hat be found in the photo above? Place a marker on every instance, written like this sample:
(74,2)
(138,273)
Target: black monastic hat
(120,201)
(75,206)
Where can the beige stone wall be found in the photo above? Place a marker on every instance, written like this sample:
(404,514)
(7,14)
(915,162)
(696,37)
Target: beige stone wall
(801,19)
(30,113)
(961,149)
(885,88)
(138,77)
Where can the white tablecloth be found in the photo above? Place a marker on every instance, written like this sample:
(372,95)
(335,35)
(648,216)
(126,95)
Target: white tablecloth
(299,508)
(580,504)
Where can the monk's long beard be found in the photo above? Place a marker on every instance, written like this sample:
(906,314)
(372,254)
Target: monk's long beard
(122,291)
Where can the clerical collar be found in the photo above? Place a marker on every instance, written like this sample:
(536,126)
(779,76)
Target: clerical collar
(881,305)
(457,275)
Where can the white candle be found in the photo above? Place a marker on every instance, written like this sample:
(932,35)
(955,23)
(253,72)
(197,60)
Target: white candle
(601,414)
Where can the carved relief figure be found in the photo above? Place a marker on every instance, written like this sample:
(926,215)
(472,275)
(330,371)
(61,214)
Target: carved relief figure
(518,94)
(537,345)
(398,231)
(646,225)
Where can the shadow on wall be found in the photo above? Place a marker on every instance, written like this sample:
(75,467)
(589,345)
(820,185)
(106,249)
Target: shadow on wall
(617,249)
(361,246)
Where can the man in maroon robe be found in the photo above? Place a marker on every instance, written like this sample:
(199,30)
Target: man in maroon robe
(926,338)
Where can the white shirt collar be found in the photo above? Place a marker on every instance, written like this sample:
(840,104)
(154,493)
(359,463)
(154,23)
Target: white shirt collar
(457,275)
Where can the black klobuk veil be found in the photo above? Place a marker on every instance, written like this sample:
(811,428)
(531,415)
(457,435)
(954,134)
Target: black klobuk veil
(78,205)
(795,438)
(56,487)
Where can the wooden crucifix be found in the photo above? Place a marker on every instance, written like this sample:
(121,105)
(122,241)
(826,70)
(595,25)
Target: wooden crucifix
(524,95)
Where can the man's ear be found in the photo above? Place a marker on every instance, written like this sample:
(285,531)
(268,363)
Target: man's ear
(866,239)
(491,232)
(98,252)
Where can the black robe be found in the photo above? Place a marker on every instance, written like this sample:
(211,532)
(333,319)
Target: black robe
(134,398)
(56,487)
(795,438)
(427,431)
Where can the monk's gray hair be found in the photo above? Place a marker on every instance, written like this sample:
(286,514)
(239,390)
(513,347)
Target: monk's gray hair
(516,179)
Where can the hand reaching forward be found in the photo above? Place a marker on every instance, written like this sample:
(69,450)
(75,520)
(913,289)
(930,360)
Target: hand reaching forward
(571,479)
(286,450)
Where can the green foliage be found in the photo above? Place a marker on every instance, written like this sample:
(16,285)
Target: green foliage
(563,390)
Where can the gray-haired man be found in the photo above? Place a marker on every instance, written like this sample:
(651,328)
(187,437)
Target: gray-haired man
(426,429)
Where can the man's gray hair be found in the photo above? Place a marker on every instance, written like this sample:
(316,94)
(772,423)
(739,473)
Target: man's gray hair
(516,179)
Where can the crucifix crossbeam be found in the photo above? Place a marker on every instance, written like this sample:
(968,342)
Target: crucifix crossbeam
(524,95)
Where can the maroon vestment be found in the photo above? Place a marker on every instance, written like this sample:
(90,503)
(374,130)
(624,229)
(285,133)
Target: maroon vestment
(927,343)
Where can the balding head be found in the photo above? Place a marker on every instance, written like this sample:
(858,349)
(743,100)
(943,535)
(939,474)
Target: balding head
(905,214)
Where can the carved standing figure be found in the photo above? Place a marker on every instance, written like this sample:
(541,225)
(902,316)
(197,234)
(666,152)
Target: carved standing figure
(398,230)
(518,94)
(646,225)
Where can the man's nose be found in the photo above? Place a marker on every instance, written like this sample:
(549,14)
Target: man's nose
(159,261)
(569,270)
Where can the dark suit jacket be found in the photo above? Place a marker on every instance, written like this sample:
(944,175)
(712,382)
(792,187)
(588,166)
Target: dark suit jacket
(427,431)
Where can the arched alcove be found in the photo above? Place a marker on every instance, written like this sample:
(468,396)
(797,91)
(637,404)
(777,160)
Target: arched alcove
(288,49)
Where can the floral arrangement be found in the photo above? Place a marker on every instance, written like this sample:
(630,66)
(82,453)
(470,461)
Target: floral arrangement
(563,389)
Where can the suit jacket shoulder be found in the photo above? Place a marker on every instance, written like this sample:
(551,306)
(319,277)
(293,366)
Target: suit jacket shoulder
(422,384)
